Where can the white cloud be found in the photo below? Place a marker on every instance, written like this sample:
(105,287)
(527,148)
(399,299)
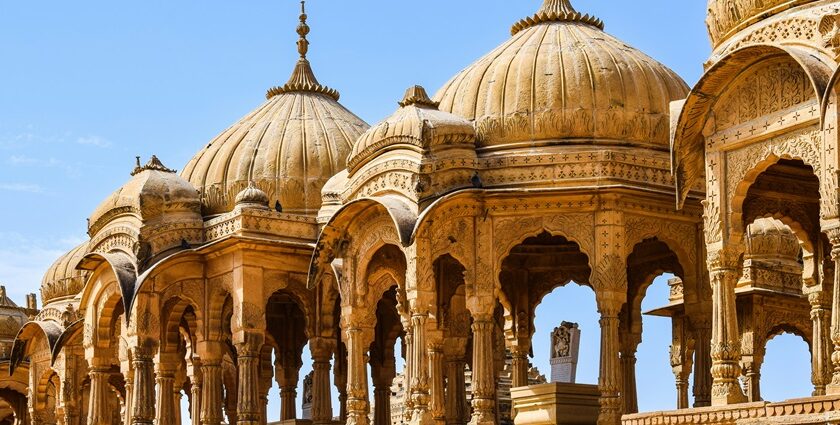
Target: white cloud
(94,141)
(21,187)
(28,161)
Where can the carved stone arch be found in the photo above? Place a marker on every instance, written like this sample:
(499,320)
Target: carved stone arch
(748,163)
(688,145)
(46,378)
(171,318)
(791,328)
(681,237)
(510,232)
(640,278)
(303,297)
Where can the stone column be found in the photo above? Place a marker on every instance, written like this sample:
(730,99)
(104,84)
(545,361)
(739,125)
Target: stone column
(129,396)
(358,398)
(143,405)
(98,412)
(609,380)
(248,391)
(752,375)
(340,375)
(321,350)
(834,386)
(419,372)
(176,399)
(457,410)
(195,396)
(628,368)
(820,348)
(726,340)
(165,390)
(211,383)
(702,365)
(382,379)
(483,377)
(519,369)
(287,380)
(437,401)
(408,404)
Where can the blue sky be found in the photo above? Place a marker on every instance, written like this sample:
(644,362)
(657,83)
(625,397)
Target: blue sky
(86,86)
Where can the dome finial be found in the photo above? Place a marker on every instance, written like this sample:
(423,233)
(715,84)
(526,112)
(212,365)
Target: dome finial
(302,78)
(556,11)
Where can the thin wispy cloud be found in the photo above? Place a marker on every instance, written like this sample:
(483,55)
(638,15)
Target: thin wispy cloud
(23,261)
(96,141)
(21,187)
(22,160)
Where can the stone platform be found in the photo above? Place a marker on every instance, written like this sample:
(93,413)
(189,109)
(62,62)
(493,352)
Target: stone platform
(801,411)
(555,404)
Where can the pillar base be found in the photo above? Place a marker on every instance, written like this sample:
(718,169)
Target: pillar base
(556,403)
(726,393)
(832,389)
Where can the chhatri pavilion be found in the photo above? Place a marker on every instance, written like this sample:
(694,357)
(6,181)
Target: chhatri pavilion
(562,156)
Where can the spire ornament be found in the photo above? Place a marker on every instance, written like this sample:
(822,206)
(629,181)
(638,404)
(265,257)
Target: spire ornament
(556,11)
(302,78)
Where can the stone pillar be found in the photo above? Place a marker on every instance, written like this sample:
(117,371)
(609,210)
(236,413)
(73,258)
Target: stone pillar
(752,378)
(176,399)
(726,340)
(628,368)
(834,386)
(483,377)
(129,396)
(144,388)
(98,412)
(165,390)
(680,358)
(358,398)
(820,348)
(211,383)
(419,372)
(702,365)
(195,395)
(381,397)
(248,391)
(340,375)
(457,410)
(437,401)
(519,369)
(321,349)
(408,404)
(287,380)
(609,380)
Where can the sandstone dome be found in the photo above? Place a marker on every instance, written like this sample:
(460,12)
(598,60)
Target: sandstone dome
(152,191)
(727,17)
(288,147)
(769,237)
(561,78)
(62,280)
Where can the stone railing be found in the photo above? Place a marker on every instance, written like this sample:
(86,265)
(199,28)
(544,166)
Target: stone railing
(812,410)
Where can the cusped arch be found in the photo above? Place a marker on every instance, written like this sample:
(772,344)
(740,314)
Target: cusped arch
(687,141)
(124,272)
(28,335)
(510,232)
(332,241)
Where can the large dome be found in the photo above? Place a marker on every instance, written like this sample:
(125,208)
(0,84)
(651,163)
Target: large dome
(561,77)
(63,280)
(726,17)
(288,147)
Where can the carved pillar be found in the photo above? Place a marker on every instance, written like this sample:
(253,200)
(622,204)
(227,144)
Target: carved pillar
(457,410)
(821,348)
(628,368)
(419,372)
(483,377)
(165,389)
(99,413)
(248,391)
(321,350)
(358,404)
(143,405)
(408,404)
(129,397)
(340,375)
(834,386)
(287,380)
(726,344)
(383,375)
(176,399)
(437,401)
(752,378)
(680,358)
(211,383)
(519,367)
(609,380)
(702,364)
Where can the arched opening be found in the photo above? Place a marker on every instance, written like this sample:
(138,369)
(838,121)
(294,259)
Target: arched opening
(786,370)
(286,327)
(456,325)
(651,342)
(178,361)
(535,276)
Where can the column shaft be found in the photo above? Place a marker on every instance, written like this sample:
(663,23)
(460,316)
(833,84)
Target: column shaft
(702,367)
(321,398)
(628,367)
(99,413)
(358,404)
(820,350)
(166,400)
(519,367)
(609,380)
(248,394)
(437,402)
(726,344)
(483,377)
(211,392)
(143,405)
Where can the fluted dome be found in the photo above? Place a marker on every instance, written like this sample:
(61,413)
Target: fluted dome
(289,146)
(416,125)
(727,17)
(768,237)
(152,191)
(62,280)
(560,77)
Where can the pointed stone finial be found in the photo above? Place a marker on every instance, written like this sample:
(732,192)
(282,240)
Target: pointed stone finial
(556,11)
(153,164)
(302,78)
(2,292)
(416,95)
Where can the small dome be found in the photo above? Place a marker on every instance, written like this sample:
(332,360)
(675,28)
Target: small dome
(12,318)
(770,238)
(252,197)
(289,147)
(727,17)
(416,125)
(561,77)
(62,280)
(152,191)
